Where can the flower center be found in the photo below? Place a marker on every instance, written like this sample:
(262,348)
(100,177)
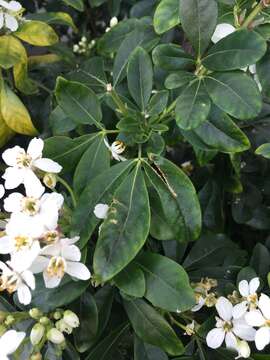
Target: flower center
(9,283)
(56,267)
(22,242)
(118,147)
(227,326)
(23,160)
(267,323)
(252,298)
(51,237)
(30,206)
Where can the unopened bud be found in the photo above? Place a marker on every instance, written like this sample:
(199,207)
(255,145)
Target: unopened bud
(36,356)
(44,320)
(57,315)
(35,313)
(9,320)
(62,326)
(113,21)
(50,180)
(109,87)
(36,334)
(243,350)
(55,336)
(71,319)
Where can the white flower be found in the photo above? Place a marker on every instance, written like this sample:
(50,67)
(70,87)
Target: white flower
(55,336)
(200,301)
(101,211)
(243,350)
(41,213)
(113,21)
(2,191)
(9,343)
(249,292)
(261,318)
(222,30)
(9,14)
(71,319)
(117,148)
(23,165)
(228,328)
(37,334)
(60,258)
(15,278)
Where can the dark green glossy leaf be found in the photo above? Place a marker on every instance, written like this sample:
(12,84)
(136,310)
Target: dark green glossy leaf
(239,49)
(235,93)
(152,328)
(178,79)
(264,150)
(192,106)
(166,15)
(143,351)
(172,57)
(76,4)
(131,281)
(167,284)
(199,19)
(158,103)
(123,229)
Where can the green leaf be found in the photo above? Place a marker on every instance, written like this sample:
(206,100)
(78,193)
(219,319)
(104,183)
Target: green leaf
(169,220)
(123,229)
(264,150)
(49,299)
(192,106)
(199,19)
(11,52)
(76,4)
(178,79)
(106,348)
(60,123)
(88,315)
(99,190)
(66,151)
(152,328)
(141,36)
(172,57)
(166,15)
(78,102)
(59,18)
(235,93)
(37,33)
(219,133)
(158,103)
(131,281)
(22,82)
(239,49)
(140,77)
(143,351)
(93,162)
(167,283)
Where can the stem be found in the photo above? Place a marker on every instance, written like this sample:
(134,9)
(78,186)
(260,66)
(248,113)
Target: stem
(117,100)
(140,151)
(181,326)
(43,87)
(252,15)
(66,185)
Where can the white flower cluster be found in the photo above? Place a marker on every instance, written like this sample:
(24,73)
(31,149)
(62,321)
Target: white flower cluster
(236,324)
(10,14)
(83,46)
(32,236)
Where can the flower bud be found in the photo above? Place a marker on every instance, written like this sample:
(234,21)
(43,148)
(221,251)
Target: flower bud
(50,180)
(243,349)
(44,320)
(36,356)
(35,313)
(55,336)
(9,320)
(57,315)
(36,334)
(62,326)
(113,21)
(71,319)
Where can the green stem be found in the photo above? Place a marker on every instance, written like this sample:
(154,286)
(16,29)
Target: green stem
(252,15)
(43,87)
(117,100)
(66,185)
(181,326)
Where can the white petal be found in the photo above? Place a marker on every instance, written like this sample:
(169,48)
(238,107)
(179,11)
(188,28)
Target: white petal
(29,279)
(243,330)
(10,341)
(252,69)
(35,148)
(24,294)
(224,308)
(71,252)
(11,22)
(199,305)
(254,285)
(51,250)
(69,241)
(254,318)
(222,30)
(239,310)
(13,202)
(13,177)
(23,259)
(1,19)
(5,268)
(6,245)
(47,165)
(215,338)
(40,264)
(244,288)
(33,186)
(14,6)
(78,270)
(51,281)
(2,189)
(101,211)
(264,305)
(10,155)
(230,340)
(262,338)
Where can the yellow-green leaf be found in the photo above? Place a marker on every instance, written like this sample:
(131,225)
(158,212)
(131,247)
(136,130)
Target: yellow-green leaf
(5,132)
(15,113)
(22,81)
(11,51)
(37,33)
